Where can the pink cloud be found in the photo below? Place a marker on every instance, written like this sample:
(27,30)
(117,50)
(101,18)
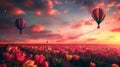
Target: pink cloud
(17,11)
(53,36)
(69,37)
(11,8)
(118,5)
(115,30)
(74,36)
(111,4)
(82,23)
(57,2)
(52,12)
(76,26)
(118,10)
(37,12)
(100,4)
(37,28)
(50,3)
(89,22)
(66,11)
(91,39)
(37,31)
(50,9)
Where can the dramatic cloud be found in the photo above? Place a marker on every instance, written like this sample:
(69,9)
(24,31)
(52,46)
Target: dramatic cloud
(89,22)
(66,11)
(33,32)
(82,23)
(45,34)
(100,4)
(37,12)
(52,12)
(47,6)
(57,2)
(37,28)
(17,11)
(86,3)
(10,7)
(90,39)
(76,26)
(115,30)
(111,4)
(91,4)
(118,8)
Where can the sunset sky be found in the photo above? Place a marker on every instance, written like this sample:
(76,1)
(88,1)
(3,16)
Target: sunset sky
(60,21)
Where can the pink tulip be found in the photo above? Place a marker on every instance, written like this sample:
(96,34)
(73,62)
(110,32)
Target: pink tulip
(45,64)
(30,55)
(36,58)
(39,59)
(8,57)
(92,64)
(15,50)
(20,56)
(68,57)
(64,53)
(75,57)
(115,65)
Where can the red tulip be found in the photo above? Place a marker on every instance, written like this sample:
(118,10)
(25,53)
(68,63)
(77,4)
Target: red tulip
(75,57)
(39,59)
(36,58)
(45,64)
(8,57)
(15,49)
(115,65)
(20,56)
(30,55)
(92,64)
(64,53)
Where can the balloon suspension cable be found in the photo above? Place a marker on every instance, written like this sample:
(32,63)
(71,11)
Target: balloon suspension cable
(87,32)
(90,31)
(83,34)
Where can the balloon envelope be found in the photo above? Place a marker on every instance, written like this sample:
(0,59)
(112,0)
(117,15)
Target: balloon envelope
(20,24)
(98,15)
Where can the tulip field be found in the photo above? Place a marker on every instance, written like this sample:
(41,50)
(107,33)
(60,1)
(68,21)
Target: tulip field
(61,55)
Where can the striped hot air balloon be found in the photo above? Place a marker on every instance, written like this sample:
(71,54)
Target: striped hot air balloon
(20,24)
(98,15)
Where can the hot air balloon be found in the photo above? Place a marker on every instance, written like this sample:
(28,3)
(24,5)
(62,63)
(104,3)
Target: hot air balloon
(20,24)
(98,15)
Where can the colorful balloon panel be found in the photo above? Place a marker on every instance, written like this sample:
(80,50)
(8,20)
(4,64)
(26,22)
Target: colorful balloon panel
(98,15)
(20,24)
